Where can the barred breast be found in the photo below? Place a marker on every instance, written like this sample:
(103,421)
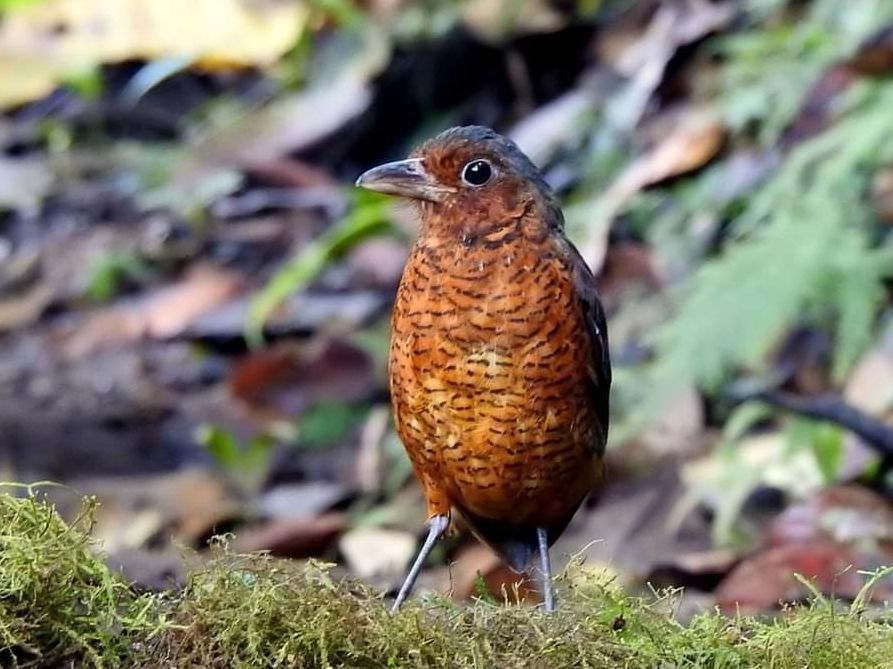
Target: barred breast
(489,381)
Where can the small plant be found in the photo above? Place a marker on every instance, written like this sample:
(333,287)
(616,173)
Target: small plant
(327,423)
(110,272)
(247,465)
(368,217)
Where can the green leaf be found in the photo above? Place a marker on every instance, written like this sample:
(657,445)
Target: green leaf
(828,451)
(221,445)
(10,5)
(86,82)
(246,465)
(325,424)
(109,271)
(368,218)
(257,453)
(743,418)
(823,439)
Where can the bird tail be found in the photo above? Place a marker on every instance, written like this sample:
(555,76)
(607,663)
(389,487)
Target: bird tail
(515,543)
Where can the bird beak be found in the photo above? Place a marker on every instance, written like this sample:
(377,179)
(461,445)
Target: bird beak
(406,178)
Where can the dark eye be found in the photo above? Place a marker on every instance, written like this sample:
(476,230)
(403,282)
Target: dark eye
(477,172)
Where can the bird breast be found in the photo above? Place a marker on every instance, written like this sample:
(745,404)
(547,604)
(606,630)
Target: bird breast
(488,370)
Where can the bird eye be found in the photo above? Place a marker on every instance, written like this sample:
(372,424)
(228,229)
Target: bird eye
(477,172)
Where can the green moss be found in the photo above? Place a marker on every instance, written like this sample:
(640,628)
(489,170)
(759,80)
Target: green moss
(57,598)
(59,603)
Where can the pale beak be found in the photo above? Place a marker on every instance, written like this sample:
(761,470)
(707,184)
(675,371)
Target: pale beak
(406,178)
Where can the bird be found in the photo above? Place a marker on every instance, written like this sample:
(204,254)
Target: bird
(499,370)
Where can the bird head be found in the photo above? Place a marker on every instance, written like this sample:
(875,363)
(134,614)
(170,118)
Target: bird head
(466,181)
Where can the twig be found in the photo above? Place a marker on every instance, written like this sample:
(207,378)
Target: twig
(833,409)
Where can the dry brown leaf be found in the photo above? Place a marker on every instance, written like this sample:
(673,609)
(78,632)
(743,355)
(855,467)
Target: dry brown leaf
(848,514)
(831,538)
(186,504)
(23,309)
(627,264)
(477,560)
(696,139)
(283,380)
(47,42)
(875,55)
(870,386)
(370,456)
(290,123)
(161,315)
(765,580)
(293,537)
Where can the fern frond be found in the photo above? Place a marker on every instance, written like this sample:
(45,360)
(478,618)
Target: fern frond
(803,251)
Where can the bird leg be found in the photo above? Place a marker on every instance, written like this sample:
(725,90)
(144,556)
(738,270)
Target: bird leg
(546,566)
(436,527)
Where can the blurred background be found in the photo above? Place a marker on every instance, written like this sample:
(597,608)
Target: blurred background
(194,300)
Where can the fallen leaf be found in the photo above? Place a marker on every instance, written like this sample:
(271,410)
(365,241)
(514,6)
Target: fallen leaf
(289,171)
(700,570)
(282,381)
(45,43)
(833,538)
(292,537)
(300,500)
(626,262)
(290,123)
(870,386)
(23,309)
(767,579)
(847,514)
(554,125)
(300,313)
(874,56)
(645,60)
(693,142)
(163,314)
(24,182)
(630,525)
(377,553)
(678,430)
(134,510)
(370,452)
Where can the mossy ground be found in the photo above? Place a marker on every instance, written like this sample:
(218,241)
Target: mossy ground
(60,606)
